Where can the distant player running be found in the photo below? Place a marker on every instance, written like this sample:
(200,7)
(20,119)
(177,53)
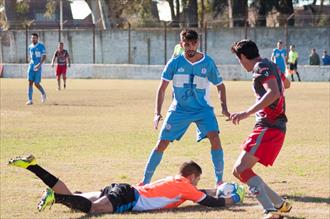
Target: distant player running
(266,140)
(63,60)
(38,57)
(191,73)
(166,193)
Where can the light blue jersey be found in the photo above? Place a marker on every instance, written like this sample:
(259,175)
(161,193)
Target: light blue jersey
(279,55)
(190,103)
(191,82)
(36,52)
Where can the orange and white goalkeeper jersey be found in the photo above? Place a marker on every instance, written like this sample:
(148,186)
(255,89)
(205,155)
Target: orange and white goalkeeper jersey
(166,193)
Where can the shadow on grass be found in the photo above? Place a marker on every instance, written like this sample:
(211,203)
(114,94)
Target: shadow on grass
(193,208)
(308,199)
(79,105)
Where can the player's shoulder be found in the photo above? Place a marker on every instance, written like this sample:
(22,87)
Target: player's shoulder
(208,58)
(263,67)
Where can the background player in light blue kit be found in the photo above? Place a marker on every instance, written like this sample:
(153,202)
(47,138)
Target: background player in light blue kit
(38,57)
(279,56)
(191,73)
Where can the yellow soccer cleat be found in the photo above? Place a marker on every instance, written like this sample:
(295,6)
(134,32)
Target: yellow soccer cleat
(47,199)
(240,191)
(285,208)
(23,162)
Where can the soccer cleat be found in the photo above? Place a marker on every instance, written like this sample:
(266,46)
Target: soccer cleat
(272,215)
(23,162)
(47,199)
(238,194)
(285,208)
(43,97)
(29,102)
(240,190)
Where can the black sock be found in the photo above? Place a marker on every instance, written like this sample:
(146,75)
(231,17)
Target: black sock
(44,175)
(75,202)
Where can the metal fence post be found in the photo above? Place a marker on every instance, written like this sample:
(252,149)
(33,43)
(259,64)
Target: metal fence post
(26,43)
(94,44)
(205,37)
(129,43)
(148,45)
(165,43)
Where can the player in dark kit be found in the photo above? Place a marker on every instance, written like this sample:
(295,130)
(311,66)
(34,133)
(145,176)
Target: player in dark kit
(266,140)
(63,60)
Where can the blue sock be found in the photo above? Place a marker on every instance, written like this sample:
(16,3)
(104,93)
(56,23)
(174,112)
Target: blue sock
(42,90)
(218,163)
(154,160)
(30,92)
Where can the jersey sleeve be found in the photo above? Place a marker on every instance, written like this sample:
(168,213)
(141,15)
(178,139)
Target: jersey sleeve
(43,49)
(191,193)
(214,75)
(263,73)
(169,70)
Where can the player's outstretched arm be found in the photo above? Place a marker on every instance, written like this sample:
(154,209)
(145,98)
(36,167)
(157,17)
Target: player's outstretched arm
(272,94)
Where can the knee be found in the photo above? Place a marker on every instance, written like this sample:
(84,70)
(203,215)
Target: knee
(161,146)
(235,172)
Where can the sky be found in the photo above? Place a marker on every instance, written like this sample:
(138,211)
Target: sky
(80,9)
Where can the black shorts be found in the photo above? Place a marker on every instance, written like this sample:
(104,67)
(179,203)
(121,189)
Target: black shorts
(293,66)
(121,196)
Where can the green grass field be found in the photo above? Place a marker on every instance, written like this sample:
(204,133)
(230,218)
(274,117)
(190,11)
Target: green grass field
(100,131)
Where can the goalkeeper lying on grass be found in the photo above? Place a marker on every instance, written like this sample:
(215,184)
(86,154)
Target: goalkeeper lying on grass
(166,193)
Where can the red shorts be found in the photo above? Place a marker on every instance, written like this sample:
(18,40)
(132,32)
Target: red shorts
(265,144)
(61,70)
(283,77)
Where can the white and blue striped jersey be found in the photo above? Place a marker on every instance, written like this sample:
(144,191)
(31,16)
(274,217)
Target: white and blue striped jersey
(36,52)
(191,82)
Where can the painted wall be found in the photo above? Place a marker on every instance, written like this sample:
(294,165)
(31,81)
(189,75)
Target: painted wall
(111,47)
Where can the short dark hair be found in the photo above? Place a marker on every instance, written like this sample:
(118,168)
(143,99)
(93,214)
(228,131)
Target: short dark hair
(189,168)
(246,47)
(35,34)
(189,35)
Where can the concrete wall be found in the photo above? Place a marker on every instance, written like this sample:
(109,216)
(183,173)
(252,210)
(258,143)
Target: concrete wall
(112,46)
(115,71)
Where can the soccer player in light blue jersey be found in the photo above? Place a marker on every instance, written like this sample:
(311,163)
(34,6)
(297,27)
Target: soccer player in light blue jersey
(279,56)
(38,57)
(191,73)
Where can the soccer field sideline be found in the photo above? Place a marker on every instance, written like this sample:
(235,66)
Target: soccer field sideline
(101,123)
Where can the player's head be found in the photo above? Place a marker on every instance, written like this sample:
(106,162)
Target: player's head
(34,38)
(192,171)
(189,41)
(313,50)
(246,52)
(292,47)
(325,52)
(279,44)
(60,46)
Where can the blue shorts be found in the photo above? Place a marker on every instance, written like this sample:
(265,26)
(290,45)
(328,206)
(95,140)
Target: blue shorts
(176,124)
(34,76)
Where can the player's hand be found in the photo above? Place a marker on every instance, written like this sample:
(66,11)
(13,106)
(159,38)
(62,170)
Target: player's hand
(69,65)
(237,117)
(36,67)
(157,118)
(226,114)
(52,65)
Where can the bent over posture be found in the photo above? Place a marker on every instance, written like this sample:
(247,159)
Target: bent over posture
(267,137)
(166,193)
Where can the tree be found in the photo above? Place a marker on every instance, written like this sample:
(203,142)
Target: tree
(238,11)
